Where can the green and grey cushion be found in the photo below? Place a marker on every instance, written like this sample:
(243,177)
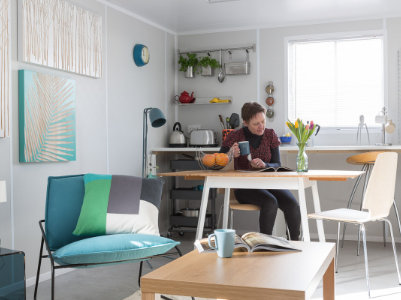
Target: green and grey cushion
(119,204)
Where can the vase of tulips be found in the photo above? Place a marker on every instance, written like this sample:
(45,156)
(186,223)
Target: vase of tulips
(302,132)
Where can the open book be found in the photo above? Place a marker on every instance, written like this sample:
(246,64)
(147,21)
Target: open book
(269,169)
(252,242)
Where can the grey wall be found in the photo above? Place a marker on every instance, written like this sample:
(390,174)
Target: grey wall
(108,122)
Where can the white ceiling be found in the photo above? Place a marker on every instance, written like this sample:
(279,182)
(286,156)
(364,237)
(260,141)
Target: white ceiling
(194,16)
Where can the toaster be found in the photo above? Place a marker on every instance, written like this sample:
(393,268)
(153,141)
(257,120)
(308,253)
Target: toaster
(202,138)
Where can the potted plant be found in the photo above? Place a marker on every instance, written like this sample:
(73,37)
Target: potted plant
(188,64)
(208,65)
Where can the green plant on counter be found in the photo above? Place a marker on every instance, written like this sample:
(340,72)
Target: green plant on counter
(190,61)
(207,61)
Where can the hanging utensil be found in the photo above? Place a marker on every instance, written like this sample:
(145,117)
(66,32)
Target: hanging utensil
(234,120)
(221,75)
(221,121)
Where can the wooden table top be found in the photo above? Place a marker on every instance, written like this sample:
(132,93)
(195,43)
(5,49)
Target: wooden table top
(245,275)
(311,174)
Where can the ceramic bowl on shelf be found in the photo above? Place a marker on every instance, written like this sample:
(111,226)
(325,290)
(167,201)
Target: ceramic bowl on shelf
(285,139)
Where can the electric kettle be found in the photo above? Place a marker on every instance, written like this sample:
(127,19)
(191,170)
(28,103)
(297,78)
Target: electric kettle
(177,137)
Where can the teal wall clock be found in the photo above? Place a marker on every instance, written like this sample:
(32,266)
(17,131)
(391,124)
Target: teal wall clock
(141,55)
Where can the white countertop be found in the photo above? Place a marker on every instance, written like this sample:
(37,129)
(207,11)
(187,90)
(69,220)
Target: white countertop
(288,148)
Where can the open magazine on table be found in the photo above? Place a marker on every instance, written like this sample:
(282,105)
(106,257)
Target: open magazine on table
(269,169)
(252,242)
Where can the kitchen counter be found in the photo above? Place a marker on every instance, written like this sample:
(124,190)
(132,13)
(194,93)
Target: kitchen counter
(290,148)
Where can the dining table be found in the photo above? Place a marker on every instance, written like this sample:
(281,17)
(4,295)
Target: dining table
(237,179)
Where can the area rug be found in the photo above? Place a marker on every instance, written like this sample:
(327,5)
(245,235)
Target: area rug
(137,296)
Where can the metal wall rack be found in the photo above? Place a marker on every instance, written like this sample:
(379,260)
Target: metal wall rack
(246,48)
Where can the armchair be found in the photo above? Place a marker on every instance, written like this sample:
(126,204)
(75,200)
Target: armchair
(65,196)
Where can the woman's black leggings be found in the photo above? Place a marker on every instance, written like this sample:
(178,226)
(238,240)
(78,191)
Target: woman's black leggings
(269,201)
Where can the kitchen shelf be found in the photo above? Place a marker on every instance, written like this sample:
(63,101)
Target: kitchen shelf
(178,222)
(205,100)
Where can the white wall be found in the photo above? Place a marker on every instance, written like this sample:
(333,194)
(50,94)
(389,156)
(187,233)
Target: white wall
(109,111)
(108,122)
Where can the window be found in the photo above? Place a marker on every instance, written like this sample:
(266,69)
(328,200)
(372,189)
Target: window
(335,81)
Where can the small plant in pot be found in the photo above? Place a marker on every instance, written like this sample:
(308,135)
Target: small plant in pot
(188,64)
(208,65)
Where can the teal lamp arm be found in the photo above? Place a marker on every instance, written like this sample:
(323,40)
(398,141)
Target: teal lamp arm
(157,119)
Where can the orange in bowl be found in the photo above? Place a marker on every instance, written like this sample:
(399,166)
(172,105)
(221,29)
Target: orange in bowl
(209,160)
(221,159)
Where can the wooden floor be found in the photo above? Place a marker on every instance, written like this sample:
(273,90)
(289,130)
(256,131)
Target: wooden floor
(120,281)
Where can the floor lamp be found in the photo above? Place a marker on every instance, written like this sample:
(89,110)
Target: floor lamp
(157,119)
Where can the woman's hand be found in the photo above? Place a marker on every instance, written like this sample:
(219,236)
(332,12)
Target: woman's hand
(235,150)
(257,163)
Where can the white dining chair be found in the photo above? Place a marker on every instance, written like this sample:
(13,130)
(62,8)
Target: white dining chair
(377,201)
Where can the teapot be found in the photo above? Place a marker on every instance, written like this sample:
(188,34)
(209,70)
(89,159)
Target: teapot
(186,98)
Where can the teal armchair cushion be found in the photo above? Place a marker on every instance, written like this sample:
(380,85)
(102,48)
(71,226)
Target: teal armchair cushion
(113,248)
(63,206)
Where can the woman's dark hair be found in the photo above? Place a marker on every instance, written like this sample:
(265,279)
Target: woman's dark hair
(251,109)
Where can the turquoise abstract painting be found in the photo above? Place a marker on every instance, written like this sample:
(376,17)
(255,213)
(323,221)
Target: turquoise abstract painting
(46,117)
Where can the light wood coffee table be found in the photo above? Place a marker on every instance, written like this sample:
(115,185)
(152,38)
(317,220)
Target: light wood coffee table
(263,275)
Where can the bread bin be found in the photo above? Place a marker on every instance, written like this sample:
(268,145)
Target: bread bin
(202,138)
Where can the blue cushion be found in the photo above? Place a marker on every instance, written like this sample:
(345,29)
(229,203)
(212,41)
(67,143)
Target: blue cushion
(63,206)
(113,248)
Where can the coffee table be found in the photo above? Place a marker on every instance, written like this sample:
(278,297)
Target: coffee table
(262,275)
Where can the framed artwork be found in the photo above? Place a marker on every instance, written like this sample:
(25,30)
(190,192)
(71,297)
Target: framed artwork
(4,69)
(46,117)
(60,35)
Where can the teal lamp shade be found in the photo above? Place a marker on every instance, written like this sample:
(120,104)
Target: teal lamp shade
(156,117)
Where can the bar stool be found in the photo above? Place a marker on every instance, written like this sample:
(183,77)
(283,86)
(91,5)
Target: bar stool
(367,160)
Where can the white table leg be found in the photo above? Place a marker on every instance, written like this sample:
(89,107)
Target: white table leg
(226,207)
(304,213)
(202,210)
(316,203)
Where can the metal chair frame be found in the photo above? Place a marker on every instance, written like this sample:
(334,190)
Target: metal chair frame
(363,232)
(55,267)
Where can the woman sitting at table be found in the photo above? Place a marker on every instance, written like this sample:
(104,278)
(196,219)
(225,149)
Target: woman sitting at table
(264,149)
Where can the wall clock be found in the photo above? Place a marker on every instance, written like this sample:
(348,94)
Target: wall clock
(141,55)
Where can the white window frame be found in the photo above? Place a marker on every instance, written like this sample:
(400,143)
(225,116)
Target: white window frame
(332,36)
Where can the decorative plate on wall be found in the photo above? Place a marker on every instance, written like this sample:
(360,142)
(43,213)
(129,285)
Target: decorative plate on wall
(141,55)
